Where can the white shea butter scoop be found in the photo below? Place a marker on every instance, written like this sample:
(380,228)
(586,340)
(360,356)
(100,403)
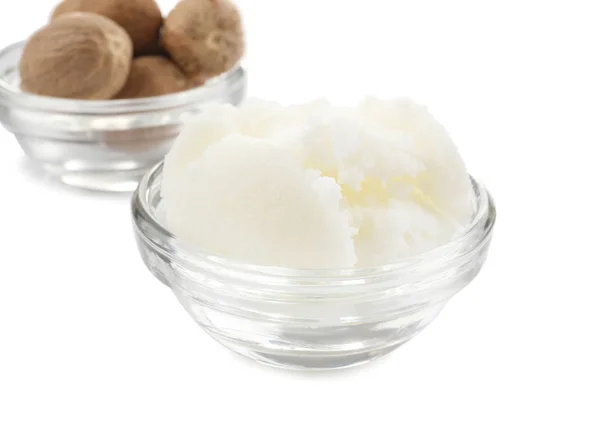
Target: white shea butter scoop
(316,186)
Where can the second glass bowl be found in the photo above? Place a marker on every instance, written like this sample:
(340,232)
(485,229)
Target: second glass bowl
(304,319)
(102,145)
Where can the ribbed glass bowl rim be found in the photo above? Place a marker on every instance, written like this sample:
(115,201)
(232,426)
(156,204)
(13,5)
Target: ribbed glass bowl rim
(466,245)
(215,87)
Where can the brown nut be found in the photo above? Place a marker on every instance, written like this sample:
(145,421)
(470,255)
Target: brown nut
(141,19)
(204,37)
(78,56)
(153,76)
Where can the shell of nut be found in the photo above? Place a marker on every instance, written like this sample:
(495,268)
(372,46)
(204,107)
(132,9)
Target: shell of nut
(204,37)
(153,76)
(78,56)
(142,19)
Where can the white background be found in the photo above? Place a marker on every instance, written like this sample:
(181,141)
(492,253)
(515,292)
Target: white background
(92,347)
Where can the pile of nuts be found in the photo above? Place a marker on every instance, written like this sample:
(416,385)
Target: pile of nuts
(123,49)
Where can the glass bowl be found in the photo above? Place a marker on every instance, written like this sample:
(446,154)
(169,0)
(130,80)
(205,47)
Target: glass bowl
(102,145)
(306,319)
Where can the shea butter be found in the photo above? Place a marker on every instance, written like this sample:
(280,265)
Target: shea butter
(316,186)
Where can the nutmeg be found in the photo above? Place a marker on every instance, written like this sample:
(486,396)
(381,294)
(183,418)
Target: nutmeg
(204,37)
(78,56)
(152,76)
(141,19)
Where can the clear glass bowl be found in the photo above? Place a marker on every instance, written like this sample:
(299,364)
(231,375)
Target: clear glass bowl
(305,319)
(102,145)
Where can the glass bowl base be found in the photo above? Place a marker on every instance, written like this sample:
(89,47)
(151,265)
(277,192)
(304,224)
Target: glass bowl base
(95,166)
(322,361)
(95,180)
(296,345)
